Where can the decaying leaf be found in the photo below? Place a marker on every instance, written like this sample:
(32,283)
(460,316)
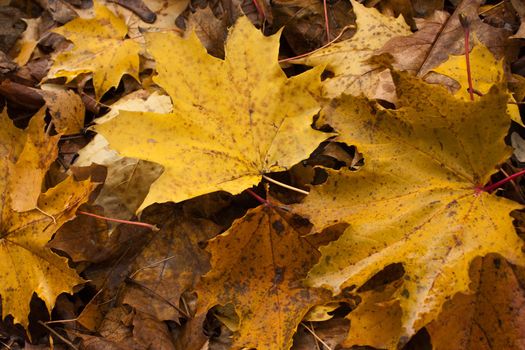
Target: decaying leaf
(418,200)
(492,317)
(66,109)
(235,119)
(171,263)
(27,265)
(258,266)
(99,48)
(442,35)
(348,60)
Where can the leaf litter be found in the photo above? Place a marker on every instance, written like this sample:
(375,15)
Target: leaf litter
(195,128)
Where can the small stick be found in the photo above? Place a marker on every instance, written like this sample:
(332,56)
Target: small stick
(322,47)
(151,265)
(285,185)
(316,336)
(136,223)
(466,28)
(326,23)
(57,335)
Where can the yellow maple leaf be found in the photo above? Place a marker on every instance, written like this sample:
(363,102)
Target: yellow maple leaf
(233,119)
(258,265)
(27,266)
(486,71)
(348,60)
(99,48)
(417,201)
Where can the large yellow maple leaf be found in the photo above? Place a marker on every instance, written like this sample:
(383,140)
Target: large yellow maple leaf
(27,266)
(417,200)
(233,120)
(348,59)
(99,48)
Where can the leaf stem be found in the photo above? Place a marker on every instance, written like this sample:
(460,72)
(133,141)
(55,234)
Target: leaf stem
(259,198)
(136,223)
(284,185)
(466,28)
(490,188)
(259,10)
(326,23)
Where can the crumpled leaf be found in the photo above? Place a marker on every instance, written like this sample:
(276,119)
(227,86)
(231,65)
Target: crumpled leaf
(417,200)
(486,71)
(27,265)
(258,266)
(492,317)
(99,48)
(213,141)
(442,35)
(66,109)
(348,59)
(212,31)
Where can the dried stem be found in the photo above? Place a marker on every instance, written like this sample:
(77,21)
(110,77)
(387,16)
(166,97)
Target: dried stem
(326,23)
(285,185)
(136,223)
(466,28)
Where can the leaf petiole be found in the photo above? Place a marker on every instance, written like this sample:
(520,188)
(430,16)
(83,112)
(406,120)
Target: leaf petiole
(278,183)
(490,188)
(136,223)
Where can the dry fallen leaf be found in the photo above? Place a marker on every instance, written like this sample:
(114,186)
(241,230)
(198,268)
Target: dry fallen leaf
(417,200)
(99,48)
(491,317)
(28,266)
(258,266)
(442,35)
(234,119)
(171,263)
(348,60)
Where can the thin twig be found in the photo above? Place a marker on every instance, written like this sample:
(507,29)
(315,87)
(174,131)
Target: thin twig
(151,265)
(316,336)
(151,291)
(322,47)
(136,223)
(466,28)
(285,185)
(58,335)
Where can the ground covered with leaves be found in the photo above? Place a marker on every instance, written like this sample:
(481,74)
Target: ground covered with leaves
(257,174)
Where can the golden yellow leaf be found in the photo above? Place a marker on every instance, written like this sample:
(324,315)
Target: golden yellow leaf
(233,119)
(258,266)
(417,200)
(99,48)
(27,169)
(27,266)
(486,71)
(348,59)
(26,45)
